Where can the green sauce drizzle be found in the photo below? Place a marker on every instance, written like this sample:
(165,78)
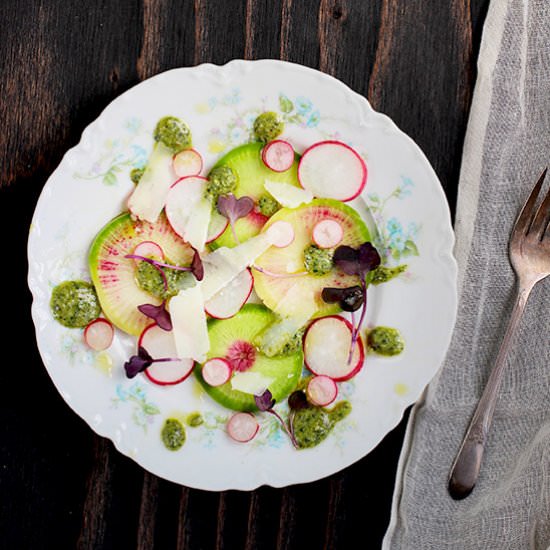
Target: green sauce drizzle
(74,303)
(268,206)
(149,279)
(317,261)
(385,341)
(312,425)
(268,126)
(173,434)
(221,181)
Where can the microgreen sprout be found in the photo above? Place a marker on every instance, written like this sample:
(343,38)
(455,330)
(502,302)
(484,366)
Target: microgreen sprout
(138,363)
(159,314)
(196,267)
(265,403)
(234,208)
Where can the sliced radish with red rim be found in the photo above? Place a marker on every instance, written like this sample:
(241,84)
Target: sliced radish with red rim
(231,298)
(187,163)
(321,390)
(281,234)
(159,344)
(332,170)
(182,200)
(242,427)
(216,371)
(328,234)
(99,334)
(327,344)
(278,155)
(149,249)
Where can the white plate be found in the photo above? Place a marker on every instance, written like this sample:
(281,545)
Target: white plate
(90,187)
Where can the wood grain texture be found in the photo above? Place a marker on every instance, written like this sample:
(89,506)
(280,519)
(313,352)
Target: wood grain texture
(61,64)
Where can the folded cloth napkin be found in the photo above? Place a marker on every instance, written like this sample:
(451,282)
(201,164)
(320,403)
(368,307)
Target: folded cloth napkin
(507,146)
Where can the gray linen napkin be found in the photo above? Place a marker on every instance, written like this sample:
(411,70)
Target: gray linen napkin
(507,146)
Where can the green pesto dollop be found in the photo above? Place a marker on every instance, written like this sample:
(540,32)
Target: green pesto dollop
(74,303)
(173,133)
(294,344)
(149,279)
(268,205)
(221,181)
(385,341)
(136,173)
(312,425)
(317,261)
(173,434)
(268,126)
(194,419)
(383,274)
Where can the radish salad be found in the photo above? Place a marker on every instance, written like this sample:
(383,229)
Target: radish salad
(250,275)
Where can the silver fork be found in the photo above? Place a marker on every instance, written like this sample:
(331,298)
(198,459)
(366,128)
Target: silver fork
(530,258)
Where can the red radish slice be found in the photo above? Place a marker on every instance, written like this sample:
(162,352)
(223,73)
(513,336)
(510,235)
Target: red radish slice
(321,390)
(242,427)
(328,233)
(281,233)
(218,224)
(278,155)
(149,249)
(332,170)
(187,163)
(216,371)
(160,343)
(230,299)
(182,200)
(326,348)
(99,334)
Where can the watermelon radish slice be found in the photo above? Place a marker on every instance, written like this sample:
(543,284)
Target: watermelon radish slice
(242,427)
(230,299)
(281,233)
(326,349)
(113,275)
(188,211)
(99,334)
(278,155)
(159,343)
(328,234)
(321,390)
(332,170)
(246,162)
(233,340)
(216,371)
(289,260)
(187,163)
(149,249)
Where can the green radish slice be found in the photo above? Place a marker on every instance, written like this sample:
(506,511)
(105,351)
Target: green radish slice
(246,161)
(232,339)
(290,260)
(113,275)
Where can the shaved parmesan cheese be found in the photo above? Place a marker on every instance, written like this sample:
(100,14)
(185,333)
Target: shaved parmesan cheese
(251,382)
(287,195)
(224,264)
(189,324)
(196,229)
(149,196)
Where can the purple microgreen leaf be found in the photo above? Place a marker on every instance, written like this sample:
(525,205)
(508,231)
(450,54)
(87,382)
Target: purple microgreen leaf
(265,401)
(345,258)
(349,299)
(233,208)
(159,314)
(138,363)
(288,432)
(368,257)
(196,266)
(297,400)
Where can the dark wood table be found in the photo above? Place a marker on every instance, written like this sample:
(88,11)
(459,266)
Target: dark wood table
(61,63)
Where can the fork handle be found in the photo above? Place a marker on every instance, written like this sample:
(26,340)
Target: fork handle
(466,466)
